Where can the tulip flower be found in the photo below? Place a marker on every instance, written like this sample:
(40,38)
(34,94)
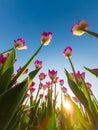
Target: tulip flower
(32,89)
(46,97)
(79,76)
(2,59)
(75,99)
(38,64)
(95,69)
(19,69)
(89,85)
(44,86)
(52,74)
(79,28)
(41,96)
(61,82)
(42,76)
(48,84)
(20,44)
(67,52)
(32,84)
(46,38)
(64,90)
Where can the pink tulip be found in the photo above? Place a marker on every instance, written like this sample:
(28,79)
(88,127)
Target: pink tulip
(79,28)
(75,99)
(32,89)
(44,86)
(89,85)
(95,69)
(28,95)
(64,90)
(61,82)
(79,76)
(20,44)
(46,97)
(41,96)
(67,52)
(2,59)
(26,71)
(42,76)
(48,84)
(46,38)
(32,84)
(52,74)
(38,64)
(19,69)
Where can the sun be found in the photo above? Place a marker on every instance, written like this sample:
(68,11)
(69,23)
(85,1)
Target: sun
(66,104)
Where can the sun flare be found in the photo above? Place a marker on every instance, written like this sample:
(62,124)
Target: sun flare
(66,104)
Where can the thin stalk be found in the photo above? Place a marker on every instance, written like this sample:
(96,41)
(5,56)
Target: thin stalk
(37,92)
(91,33)
(55,92)
(73,71)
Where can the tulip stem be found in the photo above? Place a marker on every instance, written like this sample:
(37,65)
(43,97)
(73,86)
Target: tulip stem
(91,33)
(73,71)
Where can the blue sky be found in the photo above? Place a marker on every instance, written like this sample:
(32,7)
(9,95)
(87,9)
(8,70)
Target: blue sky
(29,18)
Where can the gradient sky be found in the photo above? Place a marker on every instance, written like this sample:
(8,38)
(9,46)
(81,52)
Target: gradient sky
(29,18)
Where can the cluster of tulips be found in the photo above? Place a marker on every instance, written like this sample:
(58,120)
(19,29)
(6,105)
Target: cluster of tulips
(27,105)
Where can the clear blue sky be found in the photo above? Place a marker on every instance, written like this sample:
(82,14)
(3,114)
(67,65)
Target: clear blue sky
(29,18)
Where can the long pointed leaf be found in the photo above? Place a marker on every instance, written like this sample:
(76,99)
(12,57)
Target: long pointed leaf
(32,75)
(80,95)
(92,71)
(7,71)
(9,103)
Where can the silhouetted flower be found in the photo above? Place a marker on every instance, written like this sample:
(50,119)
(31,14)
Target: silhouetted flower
(67,52)
(20,44)
(46,38)
(79,28)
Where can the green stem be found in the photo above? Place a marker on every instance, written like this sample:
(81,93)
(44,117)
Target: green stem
(91,33)
(55,93)
(73,71)
(37,92)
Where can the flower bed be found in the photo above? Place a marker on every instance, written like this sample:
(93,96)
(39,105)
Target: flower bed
(22,109)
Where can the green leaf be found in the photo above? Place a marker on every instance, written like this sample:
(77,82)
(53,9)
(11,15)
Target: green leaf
(86,92)
(49,103)
(34,112)
(24,67)
(92,104)
(92,71)
(9,103)
(78,117)
(7,71)
(5,78)
(79,94)
(82,98)
(32,75)
(9,62)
